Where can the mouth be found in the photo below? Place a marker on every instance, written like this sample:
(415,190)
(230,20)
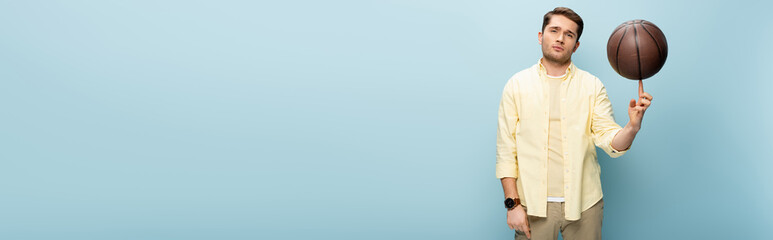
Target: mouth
(557,48)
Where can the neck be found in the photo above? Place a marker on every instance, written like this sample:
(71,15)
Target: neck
(555,68)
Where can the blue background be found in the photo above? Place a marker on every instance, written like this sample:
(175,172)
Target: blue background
(356,119)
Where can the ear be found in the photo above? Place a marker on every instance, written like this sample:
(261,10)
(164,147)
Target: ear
(576,46)
(539,38)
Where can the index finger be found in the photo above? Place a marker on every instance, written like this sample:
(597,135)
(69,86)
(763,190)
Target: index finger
(528,232)
(641,88)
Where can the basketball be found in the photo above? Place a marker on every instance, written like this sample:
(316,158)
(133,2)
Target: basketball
(637,49)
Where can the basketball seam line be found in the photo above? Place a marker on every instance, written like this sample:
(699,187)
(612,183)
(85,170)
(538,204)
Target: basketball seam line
(660,53)
(638,56)
(617,53)
(651,24)
(617,30)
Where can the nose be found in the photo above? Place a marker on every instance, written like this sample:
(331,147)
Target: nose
(560,38)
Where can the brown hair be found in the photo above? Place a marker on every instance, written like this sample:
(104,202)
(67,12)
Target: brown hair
(566,12)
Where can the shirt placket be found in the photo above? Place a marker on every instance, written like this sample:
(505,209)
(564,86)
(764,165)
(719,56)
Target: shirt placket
(546,124)
(564,131)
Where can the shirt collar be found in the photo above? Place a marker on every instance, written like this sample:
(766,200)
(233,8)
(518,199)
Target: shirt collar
(544,72)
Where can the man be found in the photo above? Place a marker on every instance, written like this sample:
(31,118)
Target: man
(550,116)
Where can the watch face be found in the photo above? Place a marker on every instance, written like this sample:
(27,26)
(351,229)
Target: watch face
(509,203)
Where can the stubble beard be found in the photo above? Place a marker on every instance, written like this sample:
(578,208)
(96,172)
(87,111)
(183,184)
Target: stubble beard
(556,59)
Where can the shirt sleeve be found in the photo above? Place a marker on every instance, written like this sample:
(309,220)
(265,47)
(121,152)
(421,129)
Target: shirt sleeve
(507,157)
(604,128)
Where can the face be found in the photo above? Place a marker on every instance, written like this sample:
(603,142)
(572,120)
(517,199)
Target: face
(559,39)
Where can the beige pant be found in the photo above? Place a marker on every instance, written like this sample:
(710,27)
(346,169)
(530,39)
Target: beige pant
(588,227)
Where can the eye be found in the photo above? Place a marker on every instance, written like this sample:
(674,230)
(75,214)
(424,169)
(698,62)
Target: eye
(553,30)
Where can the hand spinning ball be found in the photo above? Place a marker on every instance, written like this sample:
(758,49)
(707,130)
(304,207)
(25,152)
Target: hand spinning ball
(637,49)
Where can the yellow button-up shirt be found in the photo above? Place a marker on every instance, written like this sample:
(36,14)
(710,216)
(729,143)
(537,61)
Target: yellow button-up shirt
(522,137)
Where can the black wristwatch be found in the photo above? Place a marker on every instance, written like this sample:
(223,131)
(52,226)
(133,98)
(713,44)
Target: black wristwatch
(511,203)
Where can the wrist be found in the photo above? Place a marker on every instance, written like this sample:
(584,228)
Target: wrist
(634,128)
(512,203)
